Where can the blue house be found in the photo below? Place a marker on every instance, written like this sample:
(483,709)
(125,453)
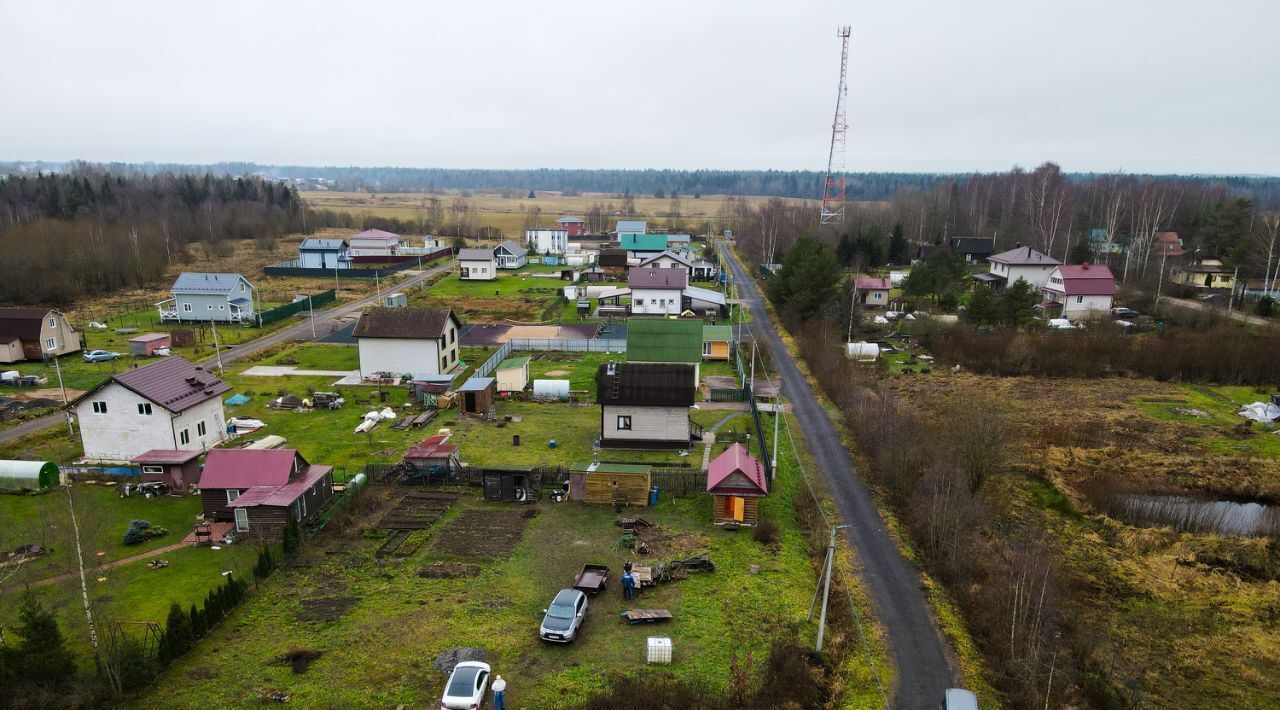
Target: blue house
(323,254)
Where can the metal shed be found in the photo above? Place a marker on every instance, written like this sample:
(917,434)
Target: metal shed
(146,345)
(27,475)
(512,374)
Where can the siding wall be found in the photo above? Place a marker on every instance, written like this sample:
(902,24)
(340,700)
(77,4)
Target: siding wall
(491,270)
(122,433)
(641,301)
(400,355)
(648,424)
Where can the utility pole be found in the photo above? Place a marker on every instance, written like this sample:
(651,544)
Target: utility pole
(753,367)
(311,312)
(826,586)
(1232,298)
(216,348)
(57,366)
(777,417)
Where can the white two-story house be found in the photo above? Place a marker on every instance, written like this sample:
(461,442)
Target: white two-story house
(1020,262)
(547,241)
(170,404)
(414,341)
(657,291)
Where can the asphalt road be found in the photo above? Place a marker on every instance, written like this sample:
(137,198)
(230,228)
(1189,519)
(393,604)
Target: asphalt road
(325,322)
(918,649)
(1220,310)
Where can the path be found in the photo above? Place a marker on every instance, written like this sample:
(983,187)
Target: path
(1219,310)
(709,438)
(325,323)
(917,648)
(104,566)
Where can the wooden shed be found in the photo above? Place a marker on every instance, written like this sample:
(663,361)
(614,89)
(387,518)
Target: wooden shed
(434,452)
(736,481)
(512,374)
(176,468)
(146,345)
(512,485)
(476,395)
(627,484)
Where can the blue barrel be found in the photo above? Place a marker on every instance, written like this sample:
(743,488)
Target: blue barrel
(552,444)
(653,496)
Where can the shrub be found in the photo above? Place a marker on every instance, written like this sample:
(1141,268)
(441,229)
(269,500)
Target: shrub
(1266,307)
(767,532)
(137,532)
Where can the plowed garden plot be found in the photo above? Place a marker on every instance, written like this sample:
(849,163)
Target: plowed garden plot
(415,512)
(482,533)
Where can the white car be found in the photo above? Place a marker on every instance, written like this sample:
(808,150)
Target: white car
(466,687)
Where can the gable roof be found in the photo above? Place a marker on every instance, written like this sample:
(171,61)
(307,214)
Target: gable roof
(513,362)
(432,448)
(376,234)
(1024,256)
(717,333)
(652,277)
(202,282)
(512,248)
(978,246)
(246,468)
(475,255)
(645,384)
(632,225)
(280,496)
(1086,280)
(664,340)
(411,323)
(570,220)
(1172,242)
(173,383)
(704,294)
(668,253)
(23,323)
(314,244)
(873,283)
(644,242)
(749,480)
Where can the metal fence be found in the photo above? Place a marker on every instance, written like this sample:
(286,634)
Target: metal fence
(549,345)
(279,313)
(295,268)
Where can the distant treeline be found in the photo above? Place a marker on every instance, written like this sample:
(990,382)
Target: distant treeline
(89,231)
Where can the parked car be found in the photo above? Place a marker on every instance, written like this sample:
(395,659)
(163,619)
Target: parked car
(1120,312)
(960,699)
(100,356)
(561,621)
(466,687)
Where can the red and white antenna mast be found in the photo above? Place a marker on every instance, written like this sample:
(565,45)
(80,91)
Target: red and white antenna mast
(833,184)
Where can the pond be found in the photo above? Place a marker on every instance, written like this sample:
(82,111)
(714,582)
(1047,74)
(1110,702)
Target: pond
(1191,514)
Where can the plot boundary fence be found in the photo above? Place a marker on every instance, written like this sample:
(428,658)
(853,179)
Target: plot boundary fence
(279,313)
(580,345)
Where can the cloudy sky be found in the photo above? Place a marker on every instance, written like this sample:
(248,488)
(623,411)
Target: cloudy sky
(935,85)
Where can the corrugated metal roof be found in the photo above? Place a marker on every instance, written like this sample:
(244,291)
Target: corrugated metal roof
(1084,280)
(646,384)
(513,362)
(475,255)
(736,460)
(1024,256)
(149,337)
(172,383)
(567,220)
(717,333)
(665,340)
(513,248)
(704,294)
(24,323)
(247,468)
(675,279)
(872,283)
(668,253)
(477,384)
(377,234)
(201,282)
(410,323)
(170,456)
(432,448)
(644,242)
(314,244)
(632,225)
(281,496)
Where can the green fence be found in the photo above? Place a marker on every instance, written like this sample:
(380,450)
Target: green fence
(279,313)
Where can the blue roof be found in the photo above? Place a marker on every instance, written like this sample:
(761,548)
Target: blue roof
(200,282)
(632,225)
(477,384)
(313,244)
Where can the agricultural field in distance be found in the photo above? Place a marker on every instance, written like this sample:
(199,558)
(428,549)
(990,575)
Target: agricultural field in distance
(1139,486)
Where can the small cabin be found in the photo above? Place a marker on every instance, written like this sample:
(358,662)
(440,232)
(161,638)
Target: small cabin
(178,469)
(434,452)
(512,374)
(511,486)
(625,484)
(477,395)
(736,482)
(147,344)
(395,300)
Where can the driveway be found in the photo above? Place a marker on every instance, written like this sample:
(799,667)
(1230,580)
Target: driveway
(326,322)
(918,650)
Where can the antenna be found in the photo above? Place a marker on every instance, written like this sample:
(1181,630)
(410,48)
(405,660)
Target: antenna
(833,184)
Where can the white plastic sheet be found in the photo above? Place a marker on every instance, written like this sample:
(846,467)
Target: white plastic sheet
(1260,412)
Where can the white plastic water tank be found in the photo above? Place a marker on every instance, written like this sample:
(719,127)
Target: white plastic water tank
(659,650)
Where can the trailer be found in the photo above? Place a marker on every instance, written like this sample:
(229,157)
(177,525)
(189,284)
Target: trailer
(593,578)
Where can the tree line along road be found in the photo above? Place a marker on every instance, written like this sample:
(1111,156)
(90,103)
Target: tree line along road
(325,323)
(919,653)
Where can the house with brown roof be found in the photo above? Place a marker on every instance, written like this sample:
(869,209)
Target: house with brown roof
(263,490)
(477,264)
(736,482)
(169,404)
(1081,291)
(1021,262)
(407,341)
(872,291)
(35,333)
(657,291)
(645,405)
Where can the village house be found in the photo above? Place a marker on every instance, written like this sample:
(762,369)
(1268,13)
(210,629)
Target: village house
(1083,291)
(430,242)
(35,334)
(510,255)
(657,291)
(717,342)
(1167,244)
(263,490)
(642,246)
(477,265)
(645,405)
(373,245)
(407,340)
(668,259)
(630,228)
(736,482)
(573,226)
(702,271)
(872,291)
(614,262)
(168,404)
(204,297)
(1020,262)
(547,241)
(316,253)
(1202,274)
(666,341)
(973,249)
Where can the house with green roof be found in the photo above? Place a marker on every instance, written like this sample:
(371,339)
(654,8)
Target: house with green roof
(643,246)
(512,374)
(666,340)
(717,342)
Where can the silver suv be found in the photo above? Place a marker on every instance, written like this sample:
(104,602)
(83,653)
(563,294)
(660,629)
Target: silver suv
(561,621)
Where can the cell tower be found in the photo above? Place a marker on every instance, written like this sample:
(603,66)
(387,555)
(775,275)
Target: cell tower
(833,185)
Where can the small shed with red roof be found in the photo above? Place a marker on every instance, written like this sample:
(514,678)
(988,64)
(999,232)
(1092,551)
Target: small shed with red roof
(736,482)
(435,451)
(179,469)
(872,290)
(263,490)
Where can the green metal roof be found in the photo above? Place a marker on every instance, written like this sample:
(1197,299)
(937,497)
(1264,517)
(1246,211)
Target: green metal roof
(611,468)
(717,333)
(513,362)
(644,242)
(653,340)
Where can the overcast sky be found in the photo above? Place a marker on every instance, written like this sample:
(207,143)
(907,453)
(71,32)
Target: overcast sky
(937,85)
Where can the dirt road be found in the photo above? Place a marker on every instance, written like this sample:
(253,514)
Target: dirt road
(1205,308)
(918,650)
(325,323)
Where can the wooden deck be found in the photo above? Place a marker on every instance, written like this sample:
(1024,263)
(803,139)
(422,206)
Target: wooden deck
(219,530)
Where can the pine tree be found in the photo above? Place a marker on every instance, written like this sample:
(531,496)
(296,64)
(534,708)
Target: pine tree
(198,625)
(898,245)
(1080,252)
(42,656)
(984,308)
(178,631)
(1018,304)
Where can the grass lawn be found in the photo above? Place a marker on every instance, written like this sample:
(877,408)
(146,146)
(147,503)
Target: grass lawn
(1215,409)
(318,357)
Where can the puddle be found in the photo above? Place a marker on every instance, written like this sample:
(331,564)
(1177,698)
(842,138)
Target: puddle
(1190,514)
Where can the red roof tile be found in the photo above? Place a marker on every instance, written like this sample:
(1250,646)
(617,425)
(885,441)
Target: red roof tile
(872,283)
(736,460)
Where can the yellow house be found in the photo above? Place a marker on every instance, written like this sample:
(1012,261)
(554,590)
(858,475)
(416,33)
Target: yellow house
(717,342)
(1205,273)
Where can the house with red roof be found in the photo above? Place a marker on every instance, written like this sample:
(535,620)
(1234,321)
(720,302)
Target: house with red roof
(1080,290)
(168,404)
(872,291)
(736,481)
(263,490)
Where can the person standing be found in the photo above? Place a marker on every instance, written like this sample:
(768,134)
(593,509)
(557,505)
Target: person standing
(628,584)
(499,693)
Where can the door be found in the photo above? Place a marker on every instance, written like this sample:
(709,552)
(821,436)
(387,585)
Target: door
(508,488)
(736,507)
(242,519)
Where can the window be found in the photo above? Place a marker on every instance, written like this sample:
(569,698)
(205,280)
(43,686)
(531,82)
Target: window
(444,362)
(144,408)
(242,519)
(50,344)
(186,308)
(200,429)
(624,423)
(706,349)
(184,437)
(209,306)
(232,494)
(154,470)
(243,287)
(1079,299)
(99,407)
(53,322)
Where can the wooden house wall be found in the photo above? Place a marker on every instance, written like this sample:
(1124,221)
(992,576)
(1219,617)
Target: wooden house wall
(600,487)
(750,511)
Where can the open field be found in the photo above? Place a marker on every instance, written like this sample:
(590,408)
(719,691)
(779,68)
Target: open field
(1182,619)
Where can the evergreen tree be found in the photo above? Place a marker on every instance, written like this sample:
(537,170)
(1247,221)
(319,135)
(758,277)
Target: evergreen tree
(531,195)
(1018,304)
(659,194)
(41,657)
(198,626)
(292,537)
(984,307)
(845,249)
(178,631)
(898,248)
(808,280)
(1080,252)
